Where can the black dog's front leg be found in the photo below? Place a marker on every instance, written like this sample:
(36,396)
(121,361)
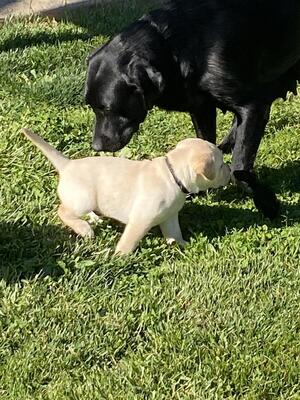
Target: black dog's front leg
(248,136)
(204,121)
(229,141)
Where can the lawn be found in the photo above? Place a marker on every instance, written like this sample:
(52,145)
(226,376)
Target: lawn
(219,320)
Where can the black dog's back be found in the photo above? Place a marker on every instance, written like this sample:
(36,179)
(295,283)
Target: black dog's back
(245,44)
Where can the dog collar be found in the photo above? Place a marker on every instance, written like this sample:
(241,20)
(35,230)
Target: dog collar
(176,179)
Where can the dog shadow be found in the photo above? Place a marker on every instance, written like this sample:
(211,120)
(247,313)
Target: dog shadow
(109,18)
(218,220)
(215,221)
(29,250)
(284,179)
(106,19)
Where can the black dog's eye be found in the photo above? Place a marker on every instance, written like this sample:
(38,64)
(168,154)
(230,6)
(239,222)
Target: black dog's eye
(101,109)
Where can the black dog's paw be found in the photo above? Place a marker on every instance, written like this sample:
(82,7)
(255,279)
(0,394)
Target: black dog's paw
(244,179)
(264,198)
(245,176)
(266,201)
(226,146)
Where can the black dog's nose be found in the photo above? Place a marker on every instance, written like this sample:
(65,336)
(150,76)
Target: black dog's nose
(105,144)
(97,145)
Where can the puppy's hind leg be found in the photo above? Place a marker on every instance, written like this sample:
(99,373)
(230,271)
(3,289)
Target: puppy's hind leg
(69,218)
(171,231)
(133,233)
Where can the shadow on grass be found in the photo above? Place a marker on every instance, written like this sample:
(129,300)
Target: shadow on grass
(28,250)
(217,221)
(110,18)
(283,179)
(106,19)
(40,38)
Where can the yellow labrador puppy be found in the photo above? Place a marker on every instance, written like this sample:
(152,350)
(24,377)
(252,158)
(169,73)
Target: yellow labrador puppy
(140,194)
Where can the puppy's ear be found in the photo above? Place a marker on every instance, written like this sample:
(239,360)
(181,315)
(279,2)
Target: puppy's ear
(206,168)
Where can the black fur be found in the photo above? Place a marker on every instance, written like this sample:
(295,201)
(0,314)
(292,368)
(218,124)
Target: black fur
(196,56)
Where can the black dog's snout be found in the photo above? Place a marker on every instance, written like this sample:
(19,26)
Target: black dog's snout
(97,143)
(97,146)
(105,143)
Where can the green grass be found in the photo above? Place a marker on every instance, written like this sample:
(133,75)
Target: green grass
(217,321)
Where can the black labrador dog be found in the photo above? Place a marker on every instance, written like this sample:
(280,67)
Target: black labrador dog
(196,56)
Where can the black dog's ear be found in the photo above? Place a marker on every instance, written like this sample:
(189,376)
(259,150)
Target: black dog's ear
(94,53)
(145,76)
(156,78)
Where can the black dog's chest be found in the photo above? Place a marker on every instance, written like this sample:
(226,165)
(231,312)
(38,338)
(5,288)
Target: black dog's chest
(182,96)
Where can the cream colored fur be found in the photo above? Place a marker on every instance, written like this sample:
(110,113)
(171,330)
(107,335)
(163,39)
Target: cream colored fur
(140,194)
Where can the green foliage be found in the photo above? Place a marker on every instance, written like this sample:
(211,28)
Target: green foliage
(219,320)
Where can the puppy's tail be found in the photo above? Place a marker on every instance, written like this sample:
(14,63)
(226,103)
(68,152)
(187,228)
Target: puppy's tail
(54,156)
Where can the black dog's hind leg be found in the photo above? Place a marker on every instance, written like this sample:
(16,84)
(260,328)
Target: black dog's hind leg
(204,120)
(229,141)
(248,136)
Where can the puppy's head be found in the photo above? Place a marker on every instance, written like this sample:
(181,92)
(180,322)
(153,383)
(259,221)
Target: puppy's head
(206,163)
(119,88)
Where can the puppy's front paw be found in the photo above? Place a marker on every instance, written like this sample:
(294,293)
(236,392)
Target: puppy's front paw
(182,243)
(93,217)
(84,229)
(89,234)
(119,252)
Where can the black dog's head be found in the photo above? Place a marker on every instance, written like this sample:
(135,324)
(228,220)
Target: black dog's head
(120,88)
